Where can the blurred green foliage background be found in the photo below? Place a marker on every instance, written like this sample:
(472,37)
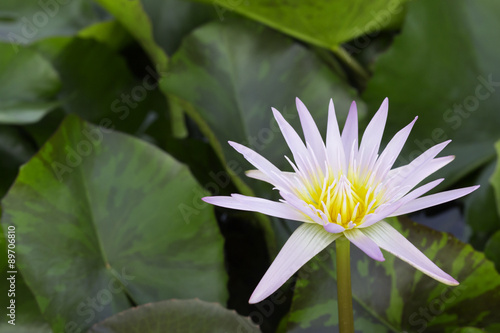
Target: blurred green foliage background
(114,122)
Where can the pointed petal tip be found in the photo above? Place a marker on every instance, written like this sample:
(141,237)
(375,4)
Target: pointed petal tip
(256,297)
(469,190)
(391,240)
(353,110)
(434,200)
(439,147)
(277,115)
(377,256)
(253,299)
(449,158)
(445,159)
(444,278)
(301,107)
(444,143)
(212,200)
(237,146)
(384,105)
(447,279)
(410,125)
(331,106)
(331,110)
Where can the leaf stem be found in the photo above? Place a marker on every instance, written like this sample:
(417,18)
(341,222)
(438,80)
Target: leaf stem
(331,61)
(344,291)
(346,58)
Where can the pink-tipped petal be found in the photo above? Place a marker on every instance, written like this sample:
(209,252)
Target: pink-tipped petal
(332,129)
(272,172)
(334,147)
(385,212)
(307,241)
(433,200)
(372,137)
(334,228)
(389,239)
(311,132)
(393,149)
(364,243)
(255,158)
(350,131)
(398,175)
(259,205)
(292,139)
(425,171)
(259,175)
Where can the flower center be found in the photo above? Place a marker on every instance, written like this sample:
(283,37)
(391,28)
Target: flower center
(344,201)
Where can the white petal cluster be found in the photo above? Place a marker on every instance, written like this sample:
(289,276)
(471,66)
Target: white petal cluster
(342,188)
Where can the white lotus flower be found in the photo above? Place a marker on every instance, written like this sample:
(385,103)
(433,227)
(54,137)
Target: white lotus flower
(339,189)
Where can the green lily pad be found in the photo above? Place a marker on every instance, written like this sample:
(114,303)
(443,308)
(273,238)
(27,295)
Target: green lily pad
(322,23)
(480,209)
(23,22)
(102,220)
(392,296)
(99,86)
(468,330)
(495,178)
(492,249)
(232,73)
(443,68)
(171,20)
(15,150)
(28,318)
(111,33)
(28,85)
(176,316)
(130,13)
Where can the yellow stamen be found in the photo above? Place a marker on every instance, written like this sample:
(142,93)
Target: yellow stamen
(345,200)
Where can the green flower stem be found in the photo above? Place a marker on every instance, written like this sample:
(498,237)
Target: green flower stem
(344,292)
